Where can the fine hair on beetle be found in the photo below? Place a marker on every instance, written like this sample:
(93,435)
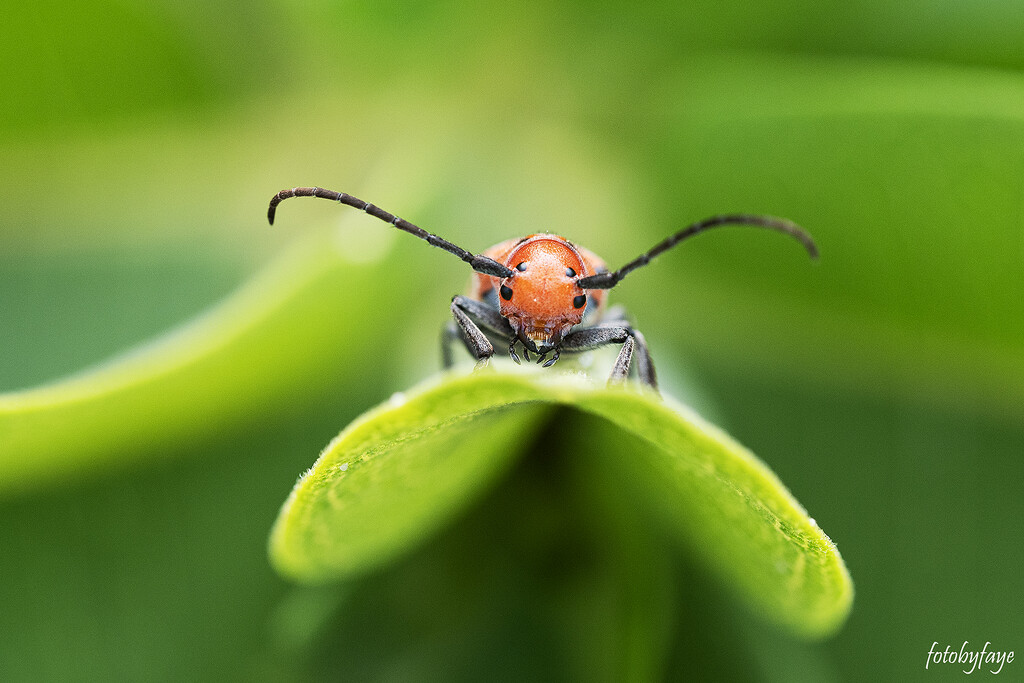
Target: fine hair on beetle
(544,293)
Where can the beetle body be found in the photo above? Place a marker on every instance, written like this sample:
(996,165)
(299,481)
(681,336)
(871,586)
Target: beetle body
(544,292)
(543,300)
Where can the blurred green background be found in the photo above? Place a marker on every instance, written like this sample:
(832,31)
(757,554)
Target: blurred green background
(140,143)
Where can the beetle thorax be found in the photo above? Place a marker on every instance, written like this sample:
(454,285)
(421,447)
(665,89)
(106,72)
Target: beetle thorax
(541,300)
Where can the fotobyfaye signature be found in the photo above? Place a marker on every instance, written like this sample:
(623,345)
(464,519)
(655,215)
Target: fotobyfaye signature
(972,659)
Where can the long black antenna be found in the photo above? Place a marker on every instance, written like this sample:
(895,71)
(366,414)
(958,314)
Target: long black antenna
(480,264)
(609,280)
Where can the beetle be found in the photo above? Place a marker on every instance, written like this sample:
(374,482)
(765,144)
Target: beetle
(544,293)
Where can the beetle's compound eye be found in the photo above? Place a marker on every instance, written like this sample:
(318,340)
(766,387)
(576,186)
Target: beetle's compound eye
(521,267)
(506,293)
(570,273)
(580,301)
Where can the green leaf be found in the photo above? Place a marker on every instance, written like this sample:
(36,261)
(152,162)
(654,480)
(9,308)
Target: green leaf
(282,339)
(407,467)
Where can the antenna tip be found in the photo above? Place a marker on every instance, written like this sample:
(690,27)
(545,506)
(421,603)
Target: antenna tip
(812,249)
(274,201)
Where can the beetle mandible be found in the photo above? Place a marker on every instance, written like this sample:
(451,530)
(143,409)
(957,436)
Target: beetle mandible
(545,293)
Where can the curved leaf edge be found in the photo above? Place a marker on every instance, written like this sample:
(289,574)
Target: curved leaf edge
(182,382)
(528,386)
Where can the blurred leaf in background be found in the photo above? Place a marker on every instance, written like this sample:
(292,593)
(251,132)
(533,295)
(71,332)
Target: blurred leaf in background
(141,141)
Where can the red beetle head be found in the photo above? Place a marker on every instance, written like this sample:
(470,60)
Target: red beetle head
(541,300)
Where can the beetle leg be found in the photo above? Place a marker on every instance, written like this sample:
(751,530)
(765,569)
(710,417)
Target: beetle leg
(471,315)
(449,333)
(644,364)
(475,340)
(620,371)
(484,315)
(512,350)
(633,343)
